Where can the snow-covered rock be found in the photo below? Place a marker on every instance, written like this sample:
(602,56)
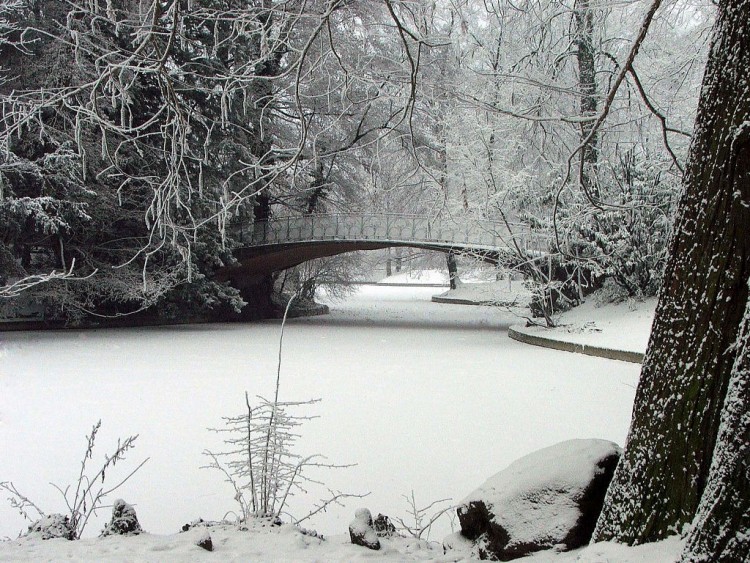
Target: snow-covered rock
(124,521)
(52,526)
(384,528)
(550,498)
(361,530)
(205,541)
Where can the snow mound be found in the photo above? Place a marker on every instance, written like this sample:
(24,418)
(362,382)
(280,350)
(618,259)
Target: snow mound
(549,498)
(124,521)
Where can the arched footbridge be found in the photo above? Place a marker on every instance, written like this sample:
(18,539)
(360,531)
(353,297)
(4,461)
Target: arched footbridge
(284,242)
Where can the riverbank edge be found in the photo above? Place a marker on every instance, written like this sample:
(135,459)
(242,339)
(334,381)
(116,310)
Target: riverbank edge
(460,301)
(313,309)
(517,333)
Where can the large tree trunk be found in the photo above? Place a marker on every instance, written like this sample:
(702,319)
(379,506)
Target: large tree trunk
(686,373)
(725,505)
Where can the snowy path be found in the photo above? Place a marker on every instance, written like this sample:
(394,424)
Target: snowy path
(428,397)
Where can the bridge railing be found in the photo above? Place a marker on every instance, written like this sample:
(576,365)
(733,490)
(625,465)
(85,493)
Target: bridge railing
(477,233)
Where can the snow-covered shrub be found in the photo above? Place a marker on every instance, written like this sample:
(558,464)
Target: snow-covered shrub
(419,520)
(384,528)
(82,499)
(557,285)
(260,462)
(627,241)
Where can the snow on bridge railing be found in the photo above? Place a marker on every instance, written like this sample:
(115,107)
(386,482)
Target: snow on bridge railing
(480,234)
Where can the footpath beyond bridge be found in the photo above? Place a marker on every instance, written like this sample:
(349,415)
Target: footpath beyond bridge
(284,242)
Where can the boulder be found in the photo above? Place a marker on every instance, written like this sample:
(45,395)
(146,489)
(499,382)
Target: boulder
(124,521)
(52,526)
(550,498)
(361,530)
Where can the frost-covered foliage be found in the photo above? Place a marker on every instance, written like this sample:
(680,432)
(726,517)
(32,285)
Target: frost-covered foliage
(626,239)
(173,125)
(516,159)
(260,461)
(420,519)
(82,169)
(557,283)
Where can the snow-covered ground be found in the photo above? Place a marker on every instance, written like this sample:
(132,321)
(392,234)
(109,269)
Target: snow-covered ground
(620,326)
(422,396)
(287,544)
(500,293)
(477,285)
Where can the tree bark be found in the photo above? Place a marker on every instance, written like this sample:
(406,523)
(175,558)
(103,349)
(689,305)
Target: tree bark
(689,363)
(724,509)
(453,278)
(585,54)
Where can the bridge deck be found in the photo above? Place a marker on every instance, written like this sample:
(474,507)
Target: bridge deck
(281,243)
(390,228)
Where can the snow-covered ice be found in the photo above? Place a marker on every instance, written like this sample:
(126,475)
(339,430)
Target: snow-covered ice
(422,396)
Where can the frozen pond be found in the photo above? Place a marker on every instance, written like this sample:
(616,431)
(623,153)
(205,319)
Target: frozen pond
(424,397)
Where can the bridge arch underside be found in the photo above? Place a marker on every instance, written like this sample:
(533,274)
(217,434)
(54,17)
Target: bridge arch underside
(257,262)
